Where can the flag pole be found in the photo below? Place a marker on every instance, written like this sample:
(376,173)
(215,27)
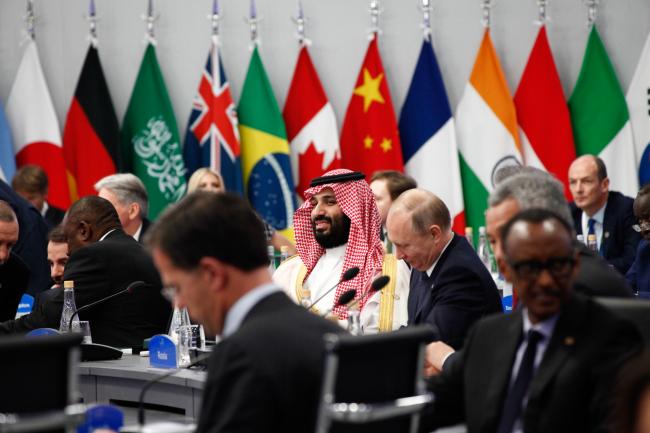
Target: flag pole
(253,20)
(92,23)
(542,16)
(375,11)
(149,18)
(486,18)
(300,21)
(592,12)
(30,21)
(214,18)
(427,10)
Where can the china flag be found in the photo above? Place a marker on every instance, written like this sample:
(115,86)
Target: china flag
(370,138)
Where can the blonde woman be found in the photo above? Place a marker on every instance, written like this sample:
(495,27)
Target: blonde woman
(206,179)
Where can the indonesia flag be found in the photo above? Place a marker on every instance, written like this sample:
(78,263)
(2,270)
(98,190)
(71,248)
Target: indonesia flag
(37,139)
(311,125)
(543,115)
(428,136)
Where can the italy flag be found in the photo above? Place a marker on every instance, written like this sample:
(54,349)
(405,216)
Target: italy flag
(487,131)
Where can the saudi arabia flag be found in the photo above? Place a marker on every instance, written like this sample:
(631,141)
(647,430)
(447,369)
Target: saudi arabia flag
(150,142)
(488,138)
(601,123)
(264,148)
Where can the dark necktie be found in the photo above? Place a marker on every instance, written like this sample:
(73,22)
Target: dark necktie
(514,401)
(591,227)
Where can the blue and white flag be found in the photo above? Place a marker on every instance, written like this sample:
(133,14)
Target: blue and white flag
(7,158)
(212,137)
(638,101)
(428,136)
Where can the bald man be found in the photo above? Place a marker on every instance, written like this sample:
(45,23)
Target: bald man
(450,288)
(14,274)
(607,214)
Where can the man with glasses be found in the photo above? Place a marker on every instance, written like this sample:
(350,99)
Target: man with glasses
(639,274)
(548,366)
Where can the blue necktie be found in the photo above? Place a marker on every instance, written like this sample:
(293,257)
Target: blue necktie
(514,401)
(591,227)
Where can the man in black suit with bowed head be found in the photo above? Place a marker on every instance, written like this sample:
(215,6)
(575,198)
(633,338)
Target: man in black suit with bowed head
(547,367)
(607,214)
(104,260)
(450,287)
(265,374)
(14,274)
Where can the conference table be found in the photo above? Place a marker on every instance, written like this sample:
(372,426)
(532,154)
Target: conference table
(119,382)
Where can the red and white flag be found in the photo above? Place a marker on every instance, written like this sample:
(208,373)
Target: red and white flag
(311,125)
(36,134)
(543,115)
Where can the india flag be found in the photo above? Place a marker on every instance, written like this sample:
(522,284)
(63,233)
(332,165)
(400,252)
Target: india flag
(601,123)
(487,131)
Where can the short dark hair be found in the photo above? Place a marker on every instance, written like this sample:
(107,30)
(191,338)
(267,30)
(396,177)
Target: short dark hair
(204,224)
(96,211)
(534,216)
(7,213)
(31,179)
(396,182)
(642,198)
(57,235)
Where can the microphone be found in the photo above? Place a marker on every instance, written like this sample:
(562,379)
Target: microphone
(149,384)
(347,276)
(344,299)
(376,285)
(128,289)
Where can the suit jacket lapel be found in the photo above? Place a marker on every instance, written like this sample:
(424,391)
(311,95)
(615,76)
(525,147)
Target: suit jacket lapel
(561,345)
(607,225)
(501,364)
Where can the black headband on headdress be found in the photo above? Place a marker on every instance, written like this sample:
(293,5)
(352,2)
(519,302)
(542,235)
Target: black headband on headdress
(338,178)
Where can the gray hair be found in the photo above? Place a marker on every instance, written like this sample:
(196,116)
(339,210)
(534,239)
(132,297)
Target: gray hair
(533,189)
(127,188)
(426,209)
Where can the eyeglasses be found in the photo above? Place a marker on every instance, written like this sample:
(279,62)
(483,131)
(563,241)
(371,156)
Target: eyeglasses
(558,267)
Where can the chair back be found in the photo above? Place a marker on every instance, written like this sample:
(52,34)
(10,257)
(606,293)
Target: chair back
(636,310)
(39,375)
(366,375)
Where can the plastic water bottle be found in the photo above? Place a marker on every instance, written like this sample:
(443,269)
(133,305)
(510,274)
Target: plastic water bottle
(69,306)
(180,317)
(581,238)
(305,298)
(354,321)
(284,253)
(469,235)
(483,249)
(271,252)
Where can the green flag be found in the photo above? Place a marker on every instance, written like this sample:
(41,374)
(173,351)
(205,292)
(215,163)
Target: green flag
(601,123)
(264,149)
(150,142)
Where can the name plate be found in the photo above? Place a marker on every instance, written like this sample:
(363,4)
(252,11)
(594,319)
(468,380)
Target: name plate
(507,304)
(162,352)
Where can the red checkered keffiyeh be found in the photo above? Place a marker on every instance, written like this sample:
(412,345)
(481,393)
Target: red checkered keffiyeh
(364,248)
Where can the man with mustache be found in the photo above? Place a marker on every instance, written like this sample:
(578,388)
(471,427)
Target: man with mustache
(337,228)
(547,367)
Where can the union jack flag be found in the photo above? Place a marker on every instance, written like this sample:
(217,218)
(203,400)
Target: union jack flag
(212,138)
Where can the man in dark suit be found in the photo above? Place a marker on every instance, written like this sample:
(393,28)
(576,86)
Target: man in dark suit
(450,287)
(547,367)
(104,260)
(14,274)
(31,183)
(536,189)
(638,276)
(606,214)
(129,196)
(265,374)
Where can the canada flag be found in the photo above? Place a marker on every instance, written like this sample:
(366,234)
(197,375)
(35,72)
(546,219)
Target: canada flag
(311,125)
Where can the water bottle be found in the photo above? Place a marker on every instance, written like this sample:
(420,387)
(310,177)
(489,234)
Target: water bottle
(469,235)
(180,317)
(69,306)
(284,253)
(591,242)
(354,321)
(271,253)
(483,249)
